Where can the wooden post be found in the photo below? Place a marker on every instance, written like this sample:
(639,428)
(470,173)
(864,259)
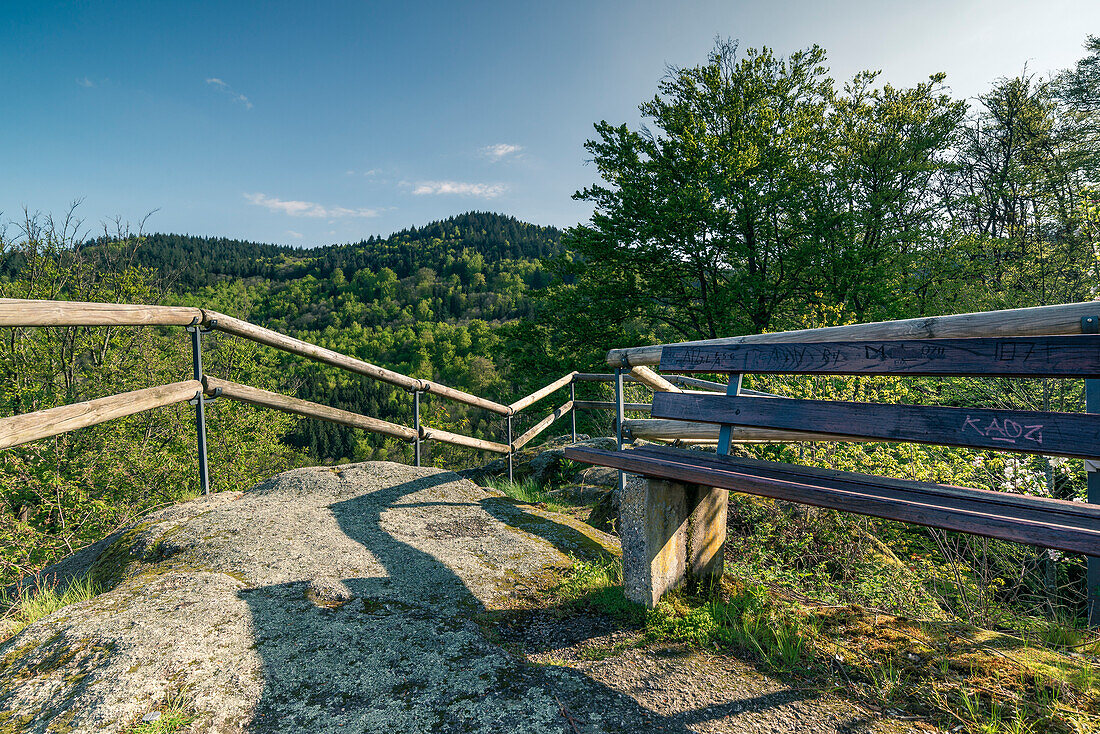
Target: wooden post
(1091,325)
(671,533)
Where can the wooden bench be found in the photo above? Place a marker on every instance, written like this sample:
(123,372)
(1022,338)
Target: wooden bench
(673,528)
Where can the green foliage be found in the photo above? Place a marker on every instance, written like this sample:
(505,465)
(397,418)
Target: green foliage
(62,493)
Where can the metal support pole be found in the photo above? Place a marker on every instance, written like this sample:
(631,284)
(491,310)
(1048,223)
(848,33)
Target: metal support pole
(199,402)
(1092,405)
(573,410)
(1091,325)
(620,416)
(511,450)
(733,388)
(416,423)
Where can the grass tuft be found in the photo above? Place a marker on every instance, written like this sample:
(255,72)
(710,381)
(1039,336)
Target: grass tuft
(175,711)
(33,603)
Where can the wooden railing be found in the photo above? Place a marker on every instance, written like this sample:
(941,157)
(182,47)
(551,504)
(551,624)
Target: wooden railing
(23,428)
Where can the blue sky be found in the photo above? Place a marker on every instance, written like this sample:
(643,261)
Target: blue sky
(315,122)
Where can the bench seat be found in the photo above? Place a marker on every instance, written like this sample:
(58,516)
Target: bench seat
(1067,526)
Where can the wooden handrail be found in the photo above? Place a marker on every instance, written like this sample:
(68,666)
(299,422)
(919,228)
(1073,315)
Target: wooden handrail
(267,399)
(541,393)
(608,405)
(652,380)
(1064,319)
(465,397)
(542,425)
(260,335)
(16,312)
(20,429)
(438,434)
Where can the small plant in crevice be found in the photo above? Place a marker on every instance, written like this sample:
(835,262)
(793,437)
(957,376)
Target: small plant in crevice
(174,713)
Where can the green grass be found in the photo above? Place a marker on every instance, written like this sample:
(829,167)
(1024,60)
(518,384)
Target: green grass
(527,491)
(32,603)
(978,681)
(175,713)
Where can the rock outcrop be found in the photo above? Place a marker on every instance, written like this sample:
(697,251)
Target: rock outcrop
(325,599)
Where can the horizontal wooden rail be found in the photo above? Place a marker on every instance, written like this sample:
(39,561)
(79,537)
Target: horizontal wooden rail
(608,405)
(1075,435)
(1063,319)
(260,335)
(659,429)
(20,429)
(541,393)
(15,312)
(267,399)
(1047,523)
(542,426)
(599,377)
(696,382)
(652,380)
(437,434)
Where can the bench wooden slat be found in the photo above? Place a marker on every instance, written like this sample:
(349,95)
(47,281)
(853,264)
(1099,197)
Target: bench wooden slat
(867,496)
(1042,356)
(834,477)
(1051,434)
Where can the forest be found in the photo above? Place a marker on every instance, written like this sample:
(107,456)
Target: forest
(761,195)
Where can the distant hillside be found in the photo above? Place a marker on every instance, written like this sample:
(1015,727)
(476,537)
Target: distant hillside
(190,262)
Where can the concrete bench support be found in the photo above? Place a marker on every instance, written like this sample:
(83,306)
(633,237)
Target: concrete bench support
(671,533)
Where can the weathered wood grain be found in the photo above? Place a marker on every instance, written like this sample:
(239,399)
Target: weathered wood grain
(609,405)
(1023,503)
(1040,320)
(461,396)
(652,380)
(1048,524)
(541,393)
(20,429)
(659,429)
(437,434)
(1041,356)
(260,335)
(297,406)
(542,425)
(1034,432)
(24,312)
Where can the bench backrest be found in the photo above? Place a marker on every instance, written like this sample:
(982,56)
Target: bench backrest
(1047,433)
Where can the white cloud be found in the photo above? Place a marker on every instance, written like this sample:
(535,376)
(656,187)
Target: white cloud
(233,93)
(500,150)
(461,188)
(295,235)
(85,82)
(307,208)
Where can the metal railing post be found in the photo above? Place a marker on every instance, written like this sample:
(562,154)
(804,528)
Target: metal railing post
(199,401)
(1091,325)
(573,410)
(511,449)
(620,416)
(733,388)
(416,426)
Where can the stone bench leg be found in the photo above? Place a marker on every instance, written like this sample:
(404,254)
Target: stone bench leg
(670,533)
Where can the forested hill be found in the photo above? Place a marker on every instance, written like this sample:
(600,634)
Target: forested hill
(191,262)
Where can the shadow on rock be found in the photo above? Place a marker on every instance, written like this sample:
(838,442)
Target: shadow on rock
(403,652)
